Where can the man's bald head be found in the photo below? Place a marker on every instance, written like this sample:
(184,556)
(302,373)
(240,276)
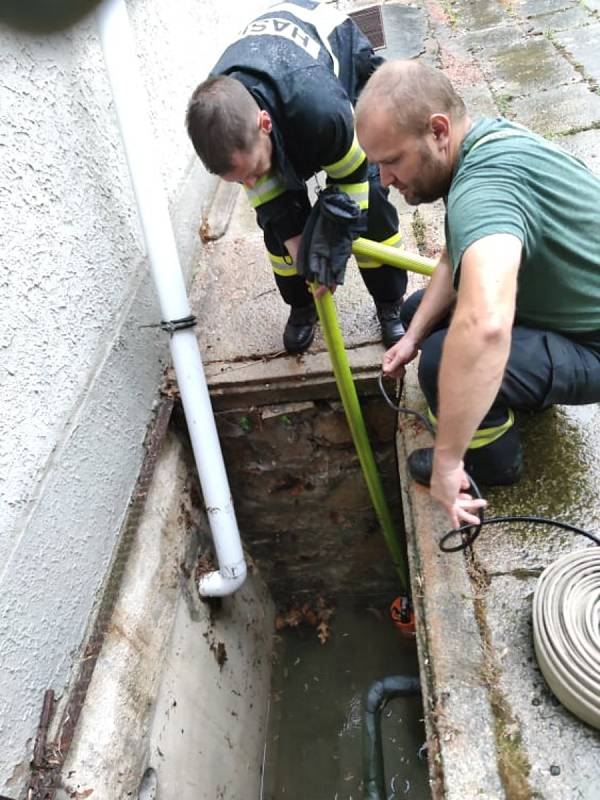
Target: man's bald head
(409,92)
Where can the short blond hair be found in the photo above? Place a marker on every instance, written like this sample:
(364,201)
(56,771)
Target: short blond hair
(410,91)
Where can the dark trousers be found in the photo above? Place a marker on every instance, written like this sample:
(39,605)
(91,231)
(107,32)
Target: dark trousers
(386,284)
(543,369)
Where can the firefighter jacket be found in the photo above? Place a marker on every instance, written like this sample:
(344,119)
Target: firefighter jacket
(305,64)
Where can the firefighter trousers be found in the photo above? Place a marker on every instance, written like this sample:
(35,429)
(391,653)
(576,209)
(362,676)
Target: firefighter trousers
(385,283)
(544,368)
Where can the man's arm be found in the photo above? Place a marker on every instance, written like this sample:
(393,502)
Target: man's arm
(434,306)
(327,131)
(475,353)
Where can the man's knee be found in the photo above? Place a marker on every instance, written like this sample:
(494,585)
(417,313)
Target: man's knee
(410,306)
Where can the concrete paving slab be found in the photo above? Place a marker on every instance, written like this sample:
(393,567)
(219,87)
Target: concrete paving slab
(480,100)
(276,379)
(490,41)
(534,747)
(584,145)
(549,24)
(581,43)
(563,754)
(476,16)
(533,8)
(560,480)
(528,67)
(241,315)
(567,109)
(405,31)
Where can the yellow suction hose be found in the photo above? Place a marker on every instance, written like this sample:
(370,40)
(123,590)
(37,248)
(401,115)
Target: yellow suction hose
(393,256)
(343,377)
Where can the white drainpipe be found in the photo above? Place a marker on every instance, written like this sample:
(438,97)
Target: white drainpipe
(131,106)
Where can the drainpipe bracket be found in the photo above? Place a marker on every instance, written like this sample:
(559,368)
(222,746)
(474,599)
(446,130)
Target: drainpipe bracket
(173,325)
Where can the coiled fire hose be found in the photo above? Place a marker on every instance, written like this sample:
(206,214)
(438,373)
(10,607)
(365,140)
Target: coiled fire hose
(566,606)
(566,631)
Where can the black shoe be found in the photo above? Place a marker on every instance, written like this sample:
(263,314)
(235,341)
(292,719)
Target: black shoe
(388,315)
(496,464)
(300,329)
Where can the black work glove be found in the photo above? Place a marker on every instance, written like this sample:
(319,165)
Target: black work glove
(334,222)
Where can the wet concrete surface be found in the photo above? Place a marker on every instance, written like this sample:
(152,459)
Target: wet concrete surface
(560,111)
(582,44)
(405,31)
(532,66)
(241,313)
(563,19)
(495,730)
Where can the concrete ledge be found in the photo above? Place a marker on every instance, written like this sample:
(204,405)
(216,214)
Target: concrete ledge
(178,683)
(219,210)
(494,728)
(458,715)
(274,379)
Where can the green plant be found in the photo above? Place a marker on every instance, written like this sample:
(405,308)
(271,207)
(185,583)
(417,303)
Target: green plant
(419,230)
(245,424)
(503,103)
(449,11)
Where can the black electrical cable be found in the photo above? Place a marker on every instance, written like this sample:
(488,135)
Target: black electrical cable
(468,533)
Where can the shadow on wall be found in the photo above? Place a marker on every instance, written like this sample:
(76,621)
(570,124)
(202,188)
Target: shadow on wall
(41,16)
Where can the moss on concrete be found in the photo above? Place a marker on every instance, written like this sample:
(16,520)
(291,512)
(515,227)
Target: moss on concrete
(419,228)
(513,763)
(503,103)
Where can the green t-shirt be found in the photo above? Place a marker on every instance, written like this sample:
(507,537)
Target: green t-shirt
(527,186)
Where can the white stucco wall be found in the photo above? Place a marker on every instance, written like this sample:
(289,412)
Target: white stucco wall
(78,376)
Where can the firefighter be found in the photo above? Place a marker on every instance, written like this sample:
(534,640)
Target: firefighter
(511,317)
(277,109)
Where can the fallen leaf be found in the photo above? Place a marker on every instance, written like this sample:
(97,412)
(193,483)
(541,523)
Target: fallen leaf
(323,632)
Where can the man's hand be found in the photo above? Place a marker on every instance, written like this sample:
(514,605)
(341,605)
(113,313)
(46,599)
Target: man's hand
(400,354)
(321,289)
(449,487)
(334,222)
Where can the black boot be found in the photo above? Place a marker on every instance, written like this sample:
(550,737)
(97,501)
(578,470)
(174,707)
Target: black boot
(496,464)
(392,328)
(300,328)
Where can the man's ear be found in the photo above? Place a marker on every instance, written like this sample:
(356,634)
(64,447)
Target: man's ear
(264,121)
(439,125)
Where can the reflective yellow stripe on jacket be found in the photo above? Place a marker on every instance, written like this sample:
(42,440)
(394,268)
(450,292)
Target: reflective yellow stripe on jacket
(482,436)
(359,192)
(348,163)
(282,265)
(266,188)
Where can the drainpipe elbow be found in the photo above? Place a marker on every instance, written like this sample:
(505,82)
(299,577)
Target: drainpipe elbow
(222,583)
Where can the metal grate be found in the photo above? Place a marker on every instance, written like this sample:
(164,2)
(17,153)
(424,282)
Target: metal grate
(370,21)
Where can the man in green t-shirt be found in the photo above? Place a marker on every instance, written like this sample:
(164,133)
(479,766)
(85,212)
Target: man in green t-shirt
(511,317)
